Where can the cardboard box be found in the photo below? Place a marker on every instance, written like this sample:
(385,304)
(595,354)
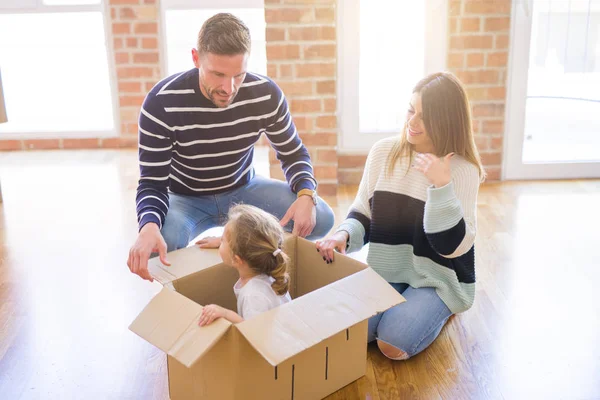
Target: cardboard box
(305,349)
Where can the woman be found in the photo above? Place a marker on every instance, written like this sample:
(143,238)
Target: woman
(416,205)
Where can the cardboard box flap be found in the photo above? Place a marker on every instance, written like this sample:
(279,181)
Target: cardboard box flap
(291,328)
(170,322)
(184,262)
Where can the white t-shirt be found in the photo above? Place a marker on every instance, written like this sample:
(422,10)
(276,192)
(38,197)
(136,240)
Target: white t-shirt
(257,296)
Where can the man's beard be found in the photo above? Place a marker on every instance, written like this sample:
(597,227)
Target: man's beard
(211,97)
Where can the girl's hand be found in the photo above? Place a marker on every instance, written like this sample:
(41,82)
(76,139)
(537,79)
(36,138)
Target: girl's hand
(210,242)
(437,170)
(337,241)
(210,313)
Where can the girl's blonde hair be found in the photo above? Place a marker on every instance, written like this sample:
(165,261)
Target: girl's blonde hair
(447,119)
(255,235)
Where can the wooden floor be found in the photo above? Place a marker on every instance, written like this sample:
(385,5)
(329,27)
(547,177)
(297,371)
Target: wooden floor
(67,296)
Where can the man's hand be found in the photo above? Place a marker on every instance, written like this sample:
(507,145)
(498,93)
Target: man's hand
(304,214)
(148,241)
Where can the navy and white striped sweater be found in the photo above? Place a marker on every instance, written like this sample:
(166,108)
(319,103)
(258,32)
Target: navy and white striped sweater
(189,146)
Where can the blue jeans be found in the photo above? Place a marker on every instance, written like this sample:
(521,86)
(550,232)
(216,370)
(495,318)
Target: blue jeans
(413,325)
(189,216)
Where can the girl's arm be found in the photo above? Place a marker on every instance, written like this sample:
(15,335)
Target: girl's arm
(213,311)
(210,242)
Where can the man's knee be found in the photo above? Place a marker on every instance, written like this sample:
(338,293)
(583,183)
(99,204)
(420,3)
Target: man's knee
(175,234)
(392,352)
(172,239)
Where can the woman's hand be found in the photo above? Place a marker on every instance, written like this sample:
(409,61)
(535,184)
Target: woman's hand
(210,313)
(437,170)
(210,242)
(337,241)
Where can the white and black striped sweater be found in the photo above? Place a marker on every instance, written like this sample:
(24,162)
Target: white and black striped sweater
(418,234)
(189,146)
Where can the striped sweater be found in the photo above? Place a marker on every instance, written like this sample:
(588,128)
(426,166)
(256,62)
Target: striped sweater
(418,234)
(189,146)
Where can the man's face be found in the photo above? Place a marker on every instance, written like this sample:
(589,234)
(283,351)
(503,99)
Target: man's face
(220,76)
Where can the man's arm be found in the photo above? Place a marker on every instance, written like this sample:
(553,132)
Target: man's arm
(155,151)
(152,200)
(291,152)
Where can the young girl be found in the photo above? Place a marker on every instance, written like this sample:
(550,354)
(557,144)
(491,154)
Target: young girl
(251,243)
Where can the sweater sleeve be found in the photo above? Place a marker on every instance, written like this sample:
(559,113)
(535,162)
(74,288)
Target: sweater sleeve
(358,221)
(155,148)
(450,218)
(291,152)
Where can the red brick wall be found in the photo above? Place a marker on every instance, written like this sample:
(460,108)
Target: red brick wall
(301,58)
(478,54)
(135,32)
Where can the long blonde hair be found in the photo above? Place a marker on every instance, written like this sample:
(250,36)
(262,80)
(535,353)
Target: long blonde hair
(255,236)
(447,119)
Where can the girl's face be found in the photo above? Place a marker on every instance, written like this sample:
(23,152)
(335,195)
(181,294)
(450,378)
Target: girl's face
(224,249)
(416,134)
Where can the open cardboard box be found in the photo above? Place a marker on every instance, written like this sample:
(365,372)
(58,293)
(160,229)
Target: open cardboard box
(305,349)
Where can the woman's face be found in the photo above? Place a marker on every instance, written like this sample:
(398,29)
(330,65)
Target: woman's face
(416,134)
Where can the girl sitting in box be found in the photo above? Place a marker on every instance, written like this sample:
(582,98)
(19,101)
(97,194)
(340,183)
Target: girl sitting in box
(251,244)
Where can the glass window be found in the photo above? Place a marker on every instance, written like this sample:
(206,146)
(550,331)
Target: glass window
(56,76)
(562,117)
(392,51)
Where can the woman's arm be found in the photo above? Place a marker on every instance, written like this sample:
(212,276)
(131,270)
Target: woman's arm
(358,221)
(450,218)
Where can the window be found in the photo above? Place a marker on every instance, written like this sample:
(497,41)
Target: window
(183,20)
(399,42)
(553,105)
(563,105)
(56,77)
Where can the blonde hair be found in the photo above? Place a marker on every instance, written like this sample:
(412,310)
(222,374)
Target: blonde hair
(447,119)
(254,236)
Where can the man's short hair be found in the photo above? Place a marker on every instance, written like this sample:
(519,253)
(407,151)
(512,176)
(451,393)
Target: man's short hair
(224,34)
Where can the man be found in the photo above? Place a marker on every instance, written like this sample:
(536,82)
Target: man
(197,132)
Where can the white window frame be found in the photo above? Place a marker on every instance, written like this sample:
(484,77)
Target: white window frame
(513,167)
(168,5)
(38,7)
(350,139)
